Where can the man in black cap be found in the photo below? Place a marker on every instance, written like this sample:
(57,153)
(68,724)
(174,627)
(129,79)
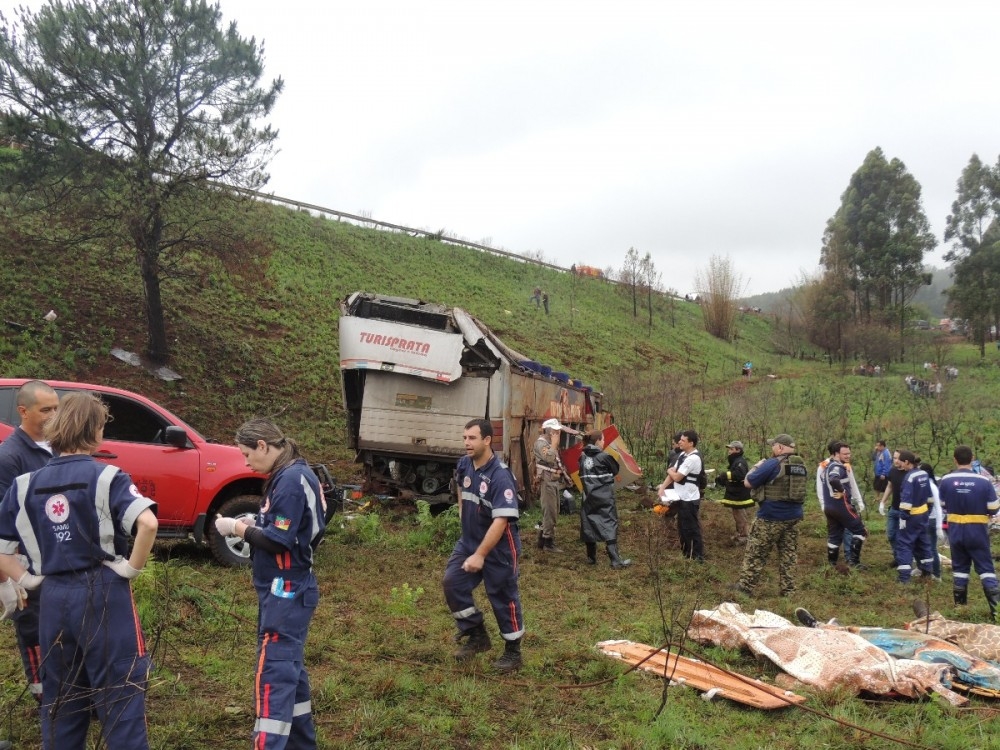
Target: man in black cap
(782,481)
(737,495)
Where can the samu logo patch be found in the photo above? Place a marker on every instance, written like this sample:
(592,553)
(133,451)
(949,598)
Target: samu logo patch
(57,509)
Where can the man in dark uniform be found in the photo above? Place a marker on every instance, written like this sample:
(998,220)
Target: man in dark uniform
(914,494)
(488,550)
(969,499)
(838,506)
(24,451)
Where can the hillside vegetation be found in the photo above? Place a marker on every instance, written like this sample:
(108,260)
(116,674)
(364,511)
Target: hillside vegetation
(256,332)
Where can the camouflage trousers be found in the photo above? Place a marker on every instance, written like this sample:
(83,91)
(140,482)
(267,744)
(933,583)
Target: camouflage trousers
(763,536)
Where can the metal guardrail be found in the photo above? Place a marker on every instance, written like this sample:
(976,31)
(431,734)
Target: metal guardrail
(377,224)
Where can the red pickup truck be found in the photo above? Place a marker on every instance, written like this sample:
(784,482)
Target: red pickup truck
(190,477)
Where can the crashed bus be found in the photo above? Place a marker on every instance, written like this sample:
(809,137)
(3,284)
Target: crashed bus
(414,373)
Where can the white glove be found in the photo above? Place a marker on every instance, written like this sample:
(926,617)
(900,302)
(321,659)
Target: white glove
(881,508)
(30,581)
(121,567)
(248,519)
(861,504)
(225,525)
(12,598)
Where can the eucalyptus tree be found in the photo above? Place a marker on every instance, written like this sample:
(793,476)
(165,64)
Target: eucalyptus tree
(974,232)
(127,112)
(875,242)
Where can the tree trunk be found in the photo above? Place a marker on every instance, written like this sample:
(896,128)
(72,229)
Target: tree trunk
(156,349)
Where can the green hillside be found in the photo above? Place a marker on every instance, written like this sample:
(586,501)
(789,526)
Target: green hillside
(257,331)
(253,329)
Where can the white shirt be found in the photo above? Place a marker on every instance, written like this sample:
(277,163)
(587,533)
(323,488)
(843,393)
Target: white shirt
(690,467)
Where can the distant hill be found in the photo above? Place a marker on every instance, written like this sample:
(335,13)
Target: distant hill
(932,297)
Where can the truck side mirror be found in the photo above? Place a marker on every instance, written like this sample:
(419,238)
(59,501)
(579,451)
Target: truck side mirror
(176,436)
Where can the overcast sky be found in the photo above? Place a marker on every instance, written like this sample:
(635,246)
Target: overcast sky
(579,129)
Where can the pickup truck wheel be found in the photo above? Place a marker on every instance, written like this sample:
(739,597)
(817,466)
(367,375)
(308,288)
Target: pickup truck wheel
(232,551)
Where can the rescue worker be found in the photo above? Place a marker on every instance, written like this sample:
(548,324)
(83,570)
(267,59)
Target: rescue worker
(598,514)
(282,539)
(782,480)
(839,510)
(73,517)
(914,494)
(737,496)
(970,499)
(857,499)
(488,550)
(26,450)
(549,471)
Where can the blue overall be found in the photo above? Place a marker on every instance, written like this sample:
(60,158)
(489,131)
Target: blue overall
(69,517)
(287,594)
(841,515)
(487,493)
(912,540)
(19,454)
(969,499)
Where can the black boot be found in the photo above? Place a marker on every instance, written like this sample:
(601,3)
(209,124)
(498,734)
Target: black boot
(616,561)
(806,617)
(477,640)
(993,597)
(961,596)
(541,541)
(854,555)
(511,659)
(832,554)
(591,553)
(550,544)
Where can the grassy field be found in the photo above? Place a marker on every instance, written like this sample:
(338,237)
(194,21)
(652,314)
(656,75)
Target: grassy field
(258,335)
(380,648)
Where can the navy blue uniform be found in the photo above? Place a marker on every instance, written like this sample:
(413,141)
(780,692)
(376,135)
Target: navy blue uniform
(70,517)
(840,512)
(487,493)
(969,499)
(287,593)
(912,541)
(19,454)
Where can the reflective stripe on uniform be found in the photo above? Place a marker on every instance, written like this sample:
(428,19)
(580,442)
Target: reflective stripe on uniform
(301,709)
(312,502)
(23,523)
(464,613)
(102,501)
(472,497)
(963,518)
(273,726)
